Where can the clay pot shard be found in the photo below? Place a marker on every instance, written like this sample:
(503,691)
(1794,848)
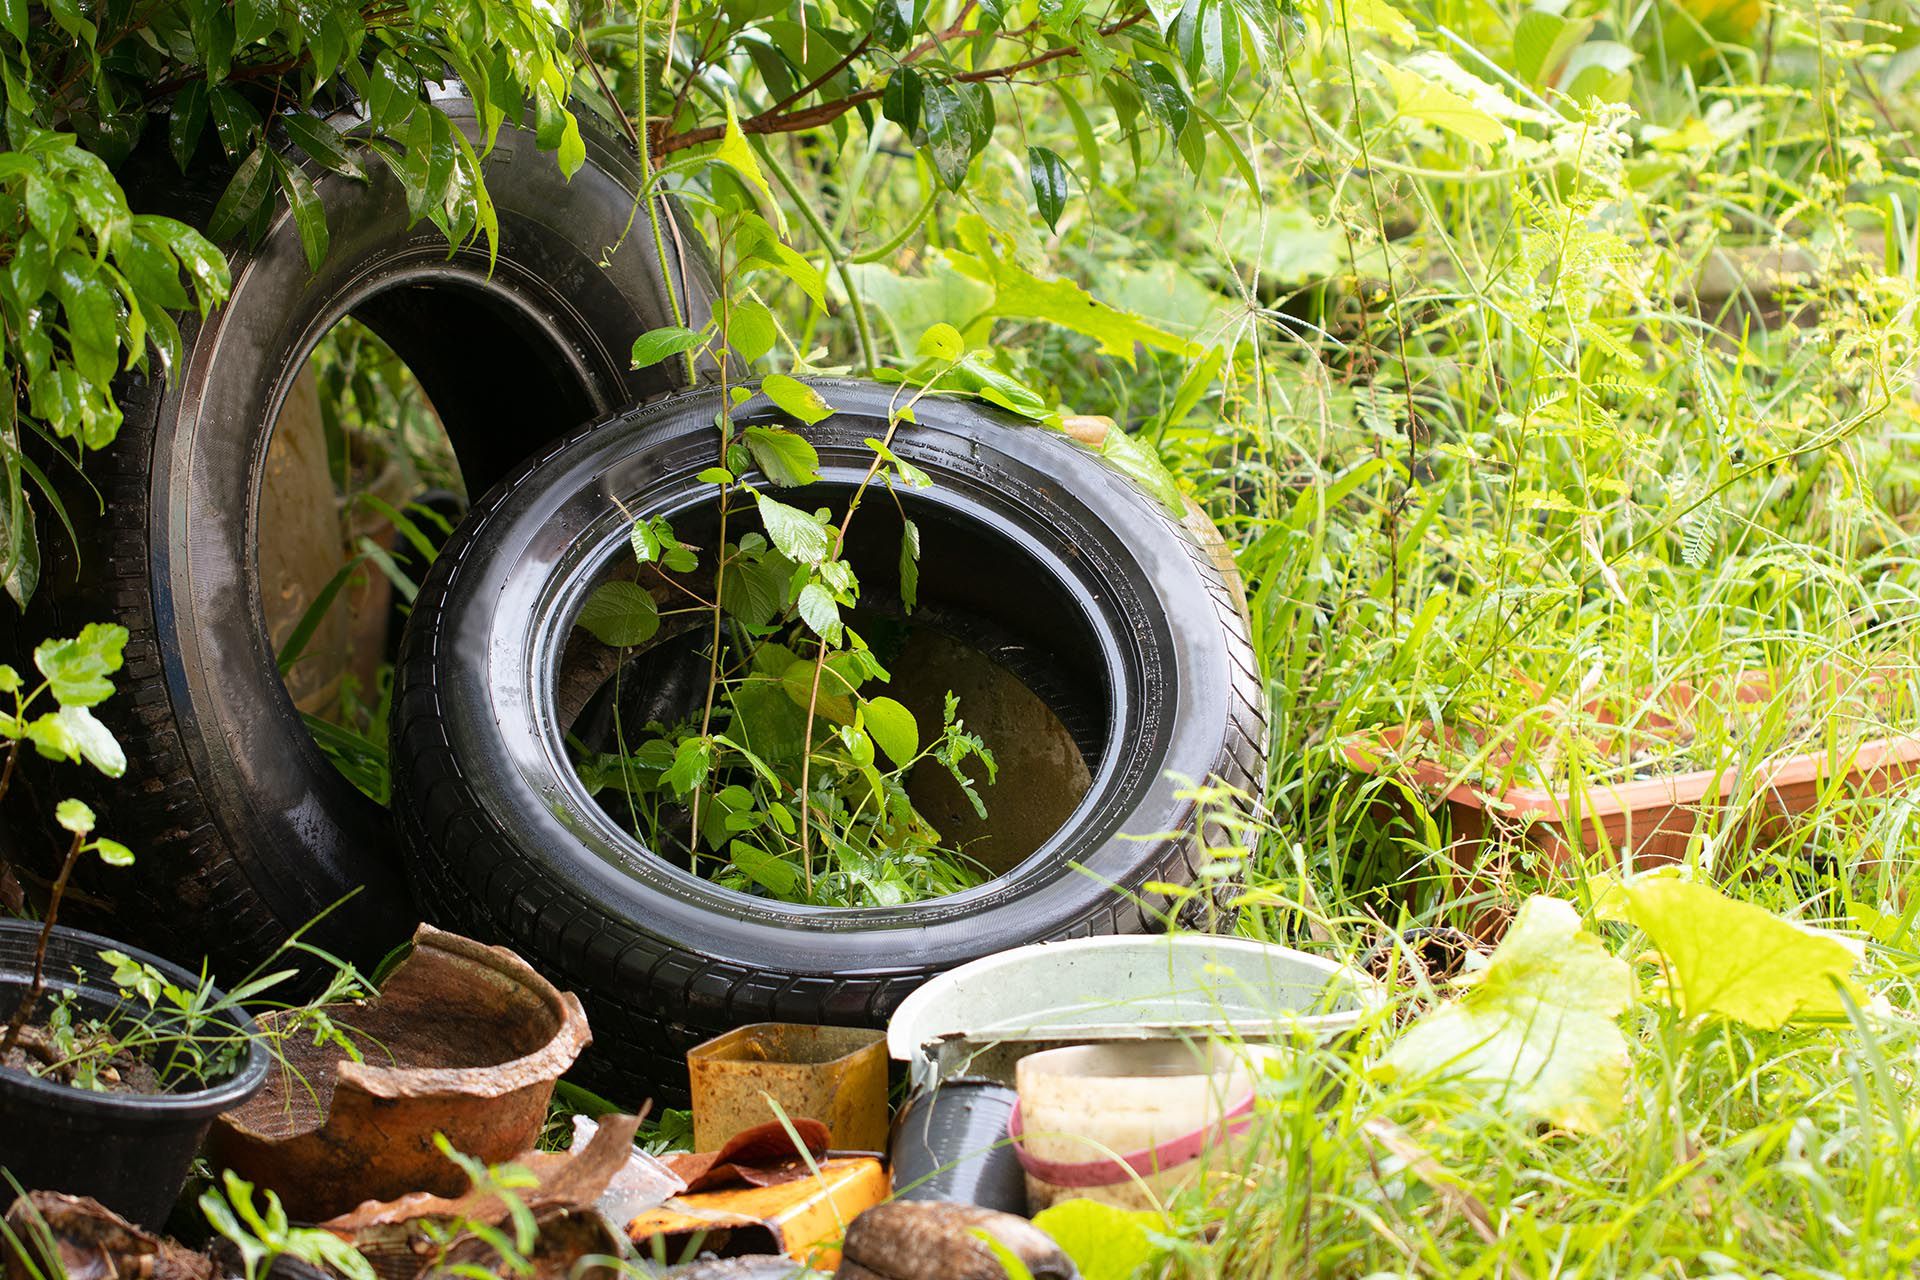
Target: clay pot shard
(78,1238)
(422,1235)
(464,1040)
(933,1240)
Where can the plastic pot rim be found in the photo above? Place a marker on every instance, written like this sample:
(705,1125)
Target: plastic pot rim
(136,1109)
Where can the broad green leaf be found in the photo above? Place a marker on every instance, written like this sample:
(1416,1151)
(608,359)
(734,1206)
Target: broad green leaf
(309,216)
(817,608)
(186,121)
(795,397)
(93,741)
(77,669)
(620,614)
(572,151)
(754,591)
(1019,292)
(151,270)
(1105,1242)
(951,122)
(751,330)
(1143,466)
(774,874)
(655,345)
(1427,101)
(1051,179)
(51,737)
(1380,18)
(859,745)
(1732,958)
(834,699)
(783,456)
(909,565)
(245,193)
(894,21)
(319,140)
(112,852)
(761,249)
(692,760)
(87,299)
(391,89)
(204,263)
(901,101)
(734,152)
(1537,1033)
(74,815)
(234,120)
(893,728)
(13,16)
(1164,95)
(798,536)
(254,20)
(975,376)
(941,342)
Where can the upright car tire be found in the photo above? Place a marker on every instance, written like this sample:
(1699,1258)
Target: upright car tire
(244,831)
(1101,604)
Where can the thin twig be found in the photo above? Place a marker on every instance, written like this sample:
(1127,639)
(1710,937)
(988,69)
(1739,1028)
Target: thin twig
(24,1009)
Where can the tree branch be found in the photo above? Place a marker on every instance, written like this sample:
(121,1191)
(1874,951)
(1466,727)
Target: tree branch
(776,120)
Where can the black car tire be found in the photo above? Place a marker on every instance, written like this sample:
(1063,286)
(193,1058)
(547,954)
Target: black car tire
(1083,576)
(244,832)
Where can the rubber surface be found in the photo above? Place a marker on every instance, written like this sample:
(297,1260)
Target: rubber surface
(242,829)
(504,843)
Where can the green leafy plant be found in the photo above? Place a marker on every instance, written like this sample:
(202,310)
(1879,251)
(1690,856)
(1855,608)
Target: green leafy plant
(165,1035)
(92,285)
(262,1233)
(75,674)
(795,774)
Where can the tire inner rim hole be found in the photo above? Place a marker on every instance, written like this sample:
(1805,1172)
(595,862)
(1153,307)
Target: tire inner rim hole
(397,408)
(990,625)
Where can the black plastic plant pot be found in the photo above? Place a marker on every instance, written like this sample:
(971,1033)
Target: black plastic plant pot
(130,1151)
(950,1143)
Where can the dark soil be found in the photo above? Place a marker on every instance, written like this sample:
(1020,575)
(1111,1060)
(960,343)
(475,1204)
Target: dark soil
(125,1072)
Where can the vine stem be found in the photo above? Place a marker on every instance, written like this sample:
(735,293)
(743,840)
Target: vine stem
(642,145)
(895,418)
(720,564)
(836,253)
(24,1009)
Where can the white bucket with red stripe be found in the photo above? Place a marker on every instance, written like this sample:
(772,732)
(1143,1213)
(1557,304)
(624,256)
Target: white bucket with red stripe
(1130,1124)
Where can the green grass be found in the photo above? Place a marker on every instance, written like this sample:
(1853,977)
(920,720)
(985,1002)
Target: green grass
(1460,501)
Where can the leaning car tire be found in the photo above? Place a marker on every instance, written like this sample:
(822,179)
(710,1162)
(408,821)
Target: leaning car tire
(244,831)
(1124,624)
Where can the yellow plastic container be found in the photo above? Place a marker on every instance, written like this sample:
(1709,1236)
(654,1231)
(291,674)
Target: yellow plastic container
(836,1075)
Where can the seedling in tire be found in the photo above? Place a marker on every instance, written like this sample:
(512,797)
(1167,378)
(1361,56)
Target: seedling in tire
(838,829)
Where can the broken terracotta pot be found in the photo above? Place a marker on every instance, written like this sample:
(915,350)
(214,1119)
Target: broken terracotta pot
(464,1040)
(422,1235)
(78,1238)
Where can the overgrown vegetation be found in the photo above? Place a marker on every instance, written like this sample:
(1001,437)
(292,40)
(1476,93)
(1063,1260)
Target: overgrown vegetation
(1548,367)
